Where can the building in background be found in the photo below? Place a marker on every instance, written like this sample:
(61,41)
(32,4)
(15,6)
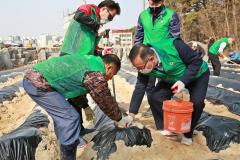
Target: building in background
(123,38)
(45,40)
(13,40)
(30,42)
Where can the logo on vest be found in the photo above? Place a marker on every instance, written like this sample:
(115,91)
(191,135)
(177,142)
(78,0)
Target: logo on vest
(171,63)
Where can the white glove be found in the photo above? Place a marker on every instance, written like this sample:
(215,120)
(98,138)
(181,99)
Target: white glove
(124,122)
(89,114)
(178,87)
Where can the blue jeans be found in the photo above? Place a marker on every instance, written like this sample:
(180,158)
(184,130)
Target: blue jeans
(67,123)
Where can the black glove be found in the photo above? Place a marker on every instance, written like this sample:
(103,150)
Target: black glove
(83,18)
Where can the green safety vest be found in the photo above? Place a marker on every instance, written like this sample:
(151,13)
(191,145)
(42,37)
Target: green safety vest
(80,39)
(160,29)
(66,74)
(172,64)
(215,47)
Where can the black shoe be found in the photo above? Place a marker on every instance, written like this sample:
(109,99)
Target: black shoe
(147,114)
(68,152)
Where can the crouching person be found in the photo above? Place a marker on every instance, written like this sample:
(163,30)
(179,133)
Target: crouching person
(178,67)
(53,81)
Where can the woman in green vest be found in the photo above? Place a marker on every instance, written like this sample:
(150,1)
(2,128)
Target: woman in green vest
(217,49)
(53,81)
(177,66)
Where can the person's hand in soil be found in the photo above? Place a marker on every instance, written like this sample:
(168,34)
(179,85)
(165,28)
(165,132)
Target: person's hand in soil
(125,122)
(134,123)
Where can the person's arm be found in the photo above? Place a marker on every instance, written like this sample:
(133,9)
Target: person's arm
(221,48)
(140,32)
(192,60)
(83,15)
(138,93)
(174,28)
(97,86)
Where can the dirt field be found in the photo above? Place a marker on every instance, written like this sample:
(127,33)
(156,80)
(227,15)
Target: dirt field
(15,112)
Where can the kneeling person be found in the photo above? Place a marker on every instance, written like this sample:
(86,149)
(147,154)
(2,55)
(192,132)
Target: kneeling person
(53,81)
(177,66)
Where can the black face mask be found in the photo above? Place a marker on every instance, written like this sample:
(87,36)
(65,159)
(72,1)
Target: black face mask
(155,10)
(156,1)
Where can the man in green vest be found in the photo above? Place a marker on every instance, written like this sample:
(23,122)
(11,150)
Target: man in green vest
(218,49)
(177,66)
(82,34)
(53,81)
(155,23)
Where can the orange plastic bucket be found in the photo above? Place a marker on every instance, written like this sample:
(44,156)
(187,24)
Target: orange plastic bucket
(177,115)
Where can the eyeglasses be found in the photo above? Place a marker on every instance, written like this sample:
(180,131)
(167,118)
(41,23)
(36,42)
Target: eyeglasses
(144,66)
(110,17)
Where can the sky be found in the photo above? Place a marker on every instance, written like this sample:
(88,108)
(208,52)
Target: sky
(35,17)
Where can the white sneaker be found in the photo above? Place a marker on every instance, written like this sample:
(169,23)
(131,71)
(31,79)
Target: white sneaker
(168,134)
(186,141)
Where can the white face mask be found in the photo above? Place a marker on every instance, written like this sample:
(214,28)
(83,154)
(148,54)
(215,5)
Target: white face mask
(104,21)
(145,71)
